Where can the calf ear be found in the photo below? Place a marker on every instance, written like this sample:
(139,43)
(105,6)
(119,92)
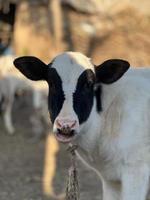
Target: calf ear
(111,70)
(32,67)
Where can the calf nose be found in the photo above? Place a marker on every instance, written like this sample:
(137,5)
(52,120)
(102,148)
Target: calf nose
(63,123)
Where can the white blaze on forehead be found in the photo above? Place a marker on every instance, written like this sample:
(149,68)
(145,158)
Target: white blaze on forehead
(70,65)
(81,59)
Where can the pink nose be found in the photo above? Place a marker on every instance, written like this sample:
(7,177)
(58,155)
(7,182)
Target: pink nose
(61,123)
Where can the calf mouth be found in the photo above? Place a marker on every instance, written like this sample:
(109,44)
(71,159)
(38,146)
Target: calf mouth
(65,135)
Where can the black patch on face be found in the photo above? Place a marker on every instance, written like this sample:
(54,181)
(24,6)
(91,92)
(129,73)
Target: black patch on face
(98,94)
(56,95)
(84,95)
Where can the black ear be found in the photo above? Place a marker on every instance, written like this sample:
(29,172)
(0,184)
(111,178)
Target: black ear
(32,67)
(111,70)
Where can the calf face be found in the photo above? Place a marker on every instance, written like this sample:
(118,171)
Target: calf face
(71,78)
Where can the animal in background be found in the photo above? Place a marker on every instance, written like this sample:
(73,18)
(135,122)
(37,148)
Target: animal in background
(12,86)
(9,87)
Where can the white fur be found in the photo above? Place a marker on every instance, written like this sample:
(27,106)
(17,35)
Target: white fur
(121,139)
(115,142)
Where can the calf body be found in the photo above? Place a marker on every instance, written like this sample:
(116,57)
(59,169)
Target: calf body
(117,143)
(105,113)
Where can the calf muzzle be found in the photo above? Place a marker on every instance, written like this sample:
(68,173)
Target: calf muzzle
(65,130)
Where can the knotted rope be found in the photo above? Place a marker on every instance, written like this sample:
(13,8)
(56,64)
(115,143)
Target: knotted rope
(72,189)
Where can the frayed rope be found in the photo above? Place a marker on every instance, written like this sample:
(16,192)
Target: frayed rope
(72,189)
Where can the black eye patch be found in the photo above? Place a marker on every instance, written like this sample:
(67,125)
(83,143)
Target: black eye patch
(86,79)
(84,95)
(56,95)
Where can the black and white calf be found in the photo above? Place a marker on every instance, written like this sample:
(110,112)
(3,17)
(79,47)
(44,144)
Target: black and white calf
(107,116)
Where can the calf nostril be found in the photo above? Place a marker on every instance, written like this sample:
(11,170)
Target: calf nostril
(73,124)
(72,132)
(59,130)
(58,123)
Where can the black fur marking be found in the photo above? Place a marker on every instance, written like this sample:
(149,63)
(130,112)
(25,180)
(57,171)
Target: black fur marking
(98,94)
(84,95)
(111,70)
(56,95)
(32,67)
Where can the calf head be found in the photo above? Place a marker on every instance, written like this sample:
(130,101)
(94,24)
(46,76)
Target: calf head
(71,78)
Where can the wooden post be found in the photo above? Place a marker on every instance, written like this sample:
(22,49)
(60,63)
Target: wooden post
(55,8)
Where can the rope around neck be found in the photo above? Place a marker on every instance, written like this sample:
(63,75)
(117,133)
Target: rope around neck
(72,189)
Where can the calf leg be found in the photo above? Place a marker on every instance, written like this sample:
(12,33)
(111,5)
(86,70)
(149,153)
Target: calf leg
(8,119)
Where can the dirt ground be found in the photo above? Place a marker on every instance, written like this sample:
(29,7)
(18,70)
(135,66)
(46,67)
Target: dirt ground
(32,170)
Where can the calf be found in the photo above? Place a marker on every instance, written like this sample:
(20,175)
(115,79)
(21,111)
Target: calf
(105,115)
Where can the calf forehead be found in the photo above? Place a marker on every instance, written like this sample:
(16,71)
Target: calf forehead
(70,66)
